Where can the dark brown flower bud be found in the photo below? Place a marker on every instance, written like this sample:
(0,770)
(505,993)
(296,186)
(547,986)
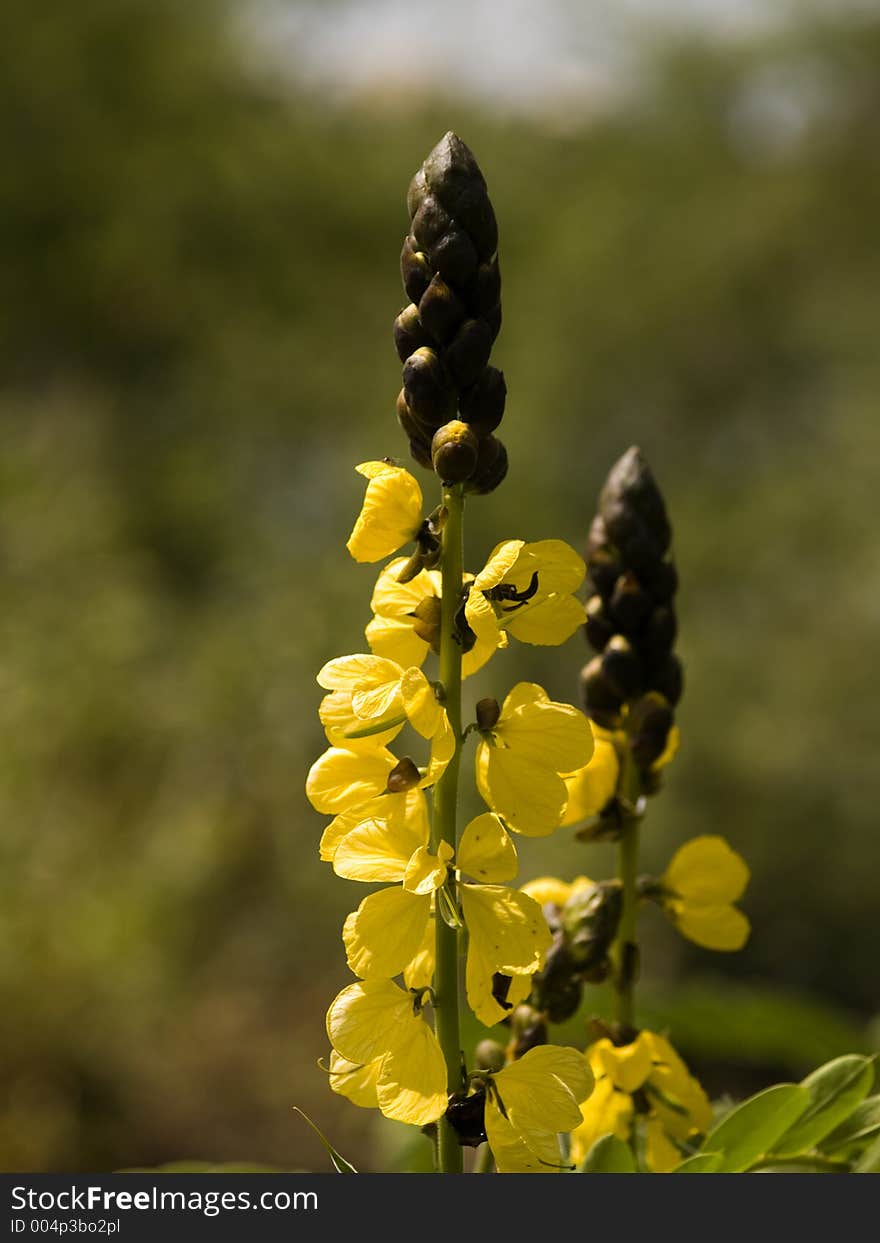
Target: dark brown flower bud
(491,466)
(630,604)
(452,174)
(429,223)
(631,504)
(557,987)
(415,270)
(599,628)
(660,633)
(590,919)
(488,711)
(484,291)
(454,452)
(481,405)
(467,354)
(650,721)
(441,310)
(622,668)
(601,699)
(428,387)
(454,256)
(409,332)
(467,1117)
(403,776)
(414,427)
(668,680)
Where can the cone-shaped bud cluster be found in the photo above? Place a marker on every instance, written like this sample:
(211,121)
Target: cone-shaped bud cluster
(631,620)
(452,400)
(583,932)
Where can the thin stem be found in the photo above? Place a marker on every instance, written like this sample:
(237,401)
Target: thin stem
(449,1154)
(484,1162)
(626,948)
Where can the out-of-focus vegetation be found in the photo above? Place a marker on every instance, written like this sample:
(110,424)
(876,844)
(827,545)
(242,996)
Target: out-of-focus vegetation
(199,278)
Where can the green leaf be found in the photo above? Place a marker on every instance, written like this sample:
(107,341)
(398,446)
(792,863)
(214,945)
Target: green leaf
(700,1163)
(861,1123)
(835,1090)
(869,1161)
(609,1155)
(752,1128)
(340,1165)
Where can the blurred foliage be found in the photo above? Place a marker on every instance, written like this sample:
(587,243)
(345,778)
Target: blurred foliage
(199,269)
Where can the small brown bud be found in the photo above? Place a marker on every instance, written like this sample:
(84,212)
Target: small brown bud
(429,223)
(441,310)
(668,680)
(415,270)
(621,667)
(468,353)
(429,391)
(484,291)
(488,711)
(528,1030)
(454,256)
(403,776)
(630,604)
(491,466)
(598,625)
(489,1055)
(409,333)
(481,405)
(454,452)
(601,699)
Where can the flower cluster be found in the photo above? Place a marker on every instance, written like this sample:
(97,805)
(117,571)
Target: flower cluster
(385,1052)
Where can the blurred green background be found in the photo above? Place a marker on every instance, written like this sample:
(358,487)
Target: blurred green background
(199,267)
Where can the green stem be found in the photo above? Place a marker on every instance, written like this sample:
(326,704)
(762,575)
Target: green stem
(449,1154)
(626,950)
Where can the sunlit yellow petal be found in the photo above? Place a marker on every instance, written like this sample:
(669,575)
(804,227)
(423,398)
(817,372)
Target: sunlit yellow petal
(345,776)
(605,1112)
(661,1155)
(555,735)
(356,1083)
(560,568)
(380,850)
(398,600)
(501,561)
(541,1155)
(543,1091)
(367,1018)
(420,703)
(405,813)
(714,927)
(507,933)
(412,1079)
(591,787)
(707,871)
(419,973)
(481,618)
(548,622)
(486,850)
(391,513)
(426,872)
(339,721)
(442,751)
(528,796)
(550,889)
(384,934)
(395,639)
(627,1066)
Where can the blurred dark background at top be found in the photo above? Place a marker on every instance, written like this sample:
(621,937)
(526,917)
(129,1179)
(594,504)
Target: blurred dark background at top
(199,273)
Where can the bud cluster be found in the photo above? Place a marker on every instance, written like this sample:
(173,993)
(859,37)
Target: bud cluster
(583,932)
(631,619)
(452,400)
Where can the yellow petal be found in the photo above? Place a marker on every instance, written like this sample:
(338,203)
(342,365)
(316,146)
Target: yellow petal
(412,1080)
(507,933)
(673,742)
(395,639)
(679,1086)
(501,561)
(591,787)
(385,809)
(380,850)
(420,704)
(561,570)
(513,1155)
(419,973)
(543,1091)
(661,1155)
(606,1112)
(339,721)
(391,513)
(442,751)
(345,776)
(548,622)
(357,672)
(397,600)
(481,617)
(486,850)
(385,932)
(356,1083)
(368,1018)
(555,735)
(627,1066)
(528,796)
(550,889)
(426,872)
(705,870)
(714,927)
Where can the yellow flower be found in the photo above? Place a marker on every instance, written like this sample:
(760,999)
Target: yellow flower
(526,590)
(344,777)
(700,886)
(529,1103)
(678,1108)
(519,760)
(382,1044)
(591,787)
(388,933)
(407,616)
(391,515)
